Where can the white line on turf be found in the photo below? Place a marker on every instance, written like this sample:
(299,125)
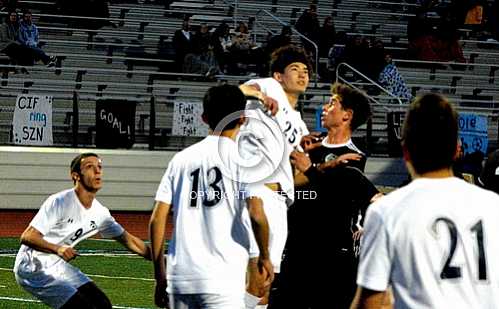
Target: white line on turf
(126,255)
(20,299)
(104,276)
(124,278)
(37,301)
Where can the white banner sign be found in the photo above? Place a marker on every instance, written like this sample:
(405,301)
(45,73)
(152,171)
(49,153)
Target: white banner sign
(32,123)
(187,120)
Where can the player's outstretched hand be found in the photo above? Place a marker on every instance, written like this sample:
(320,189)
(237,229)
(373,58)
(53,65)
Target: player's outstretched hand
(311,141)
(254,90)
(67,253)
(343,159)
(270,104)
(160,295)
(300,160)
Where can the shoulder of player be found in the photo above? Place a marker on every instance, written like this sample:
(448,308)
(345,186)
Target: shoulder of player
(486,197)
(60,198)
(390,204)
(98,206)
(193,151)
(263,83)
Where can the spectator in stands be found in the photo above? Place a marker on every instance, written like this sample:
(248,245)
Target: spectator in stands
(336,53)
(474,14)
(376,63)
(355,53)
(489,178)
(244,50)
(28,36)
(48,244)
(430,41)
(182,43)
(18,53)
(326,36)
(308,25)
(221,43)
(240,48)
(449,48)
(202,60)
(391,79)
(280,40)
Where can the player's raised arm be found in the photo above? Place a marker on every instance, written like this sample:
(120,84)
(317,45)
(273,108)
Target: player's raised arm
(253,90)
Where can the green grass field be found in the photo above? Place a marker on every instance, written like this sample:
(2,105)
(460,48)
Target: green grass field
(126,279)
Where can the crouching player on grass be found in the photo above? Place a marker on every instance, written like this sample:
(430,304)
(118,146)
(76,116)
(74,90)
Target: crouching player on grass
(42,264)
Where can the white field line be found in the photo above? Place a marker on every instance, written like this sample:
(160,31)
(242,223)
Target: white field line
(103,276)
(37,301)
(20,299)
(127,255)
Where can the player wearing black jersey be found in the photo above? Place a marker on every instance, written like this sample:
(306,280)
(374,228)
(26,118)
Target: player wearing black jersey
(332,173)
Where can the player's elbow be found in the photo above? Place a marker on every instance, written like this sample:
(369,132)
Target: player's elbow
(30,236)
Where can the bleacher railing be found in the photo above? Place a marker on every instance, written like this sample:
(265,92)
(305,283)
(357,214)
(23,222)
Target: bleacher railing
(371,82)
(394,114)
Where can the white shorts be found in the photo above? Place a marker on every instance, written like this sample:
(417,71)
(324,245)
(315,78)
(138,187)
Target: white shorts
(53,286)
(276,210)
(207,301)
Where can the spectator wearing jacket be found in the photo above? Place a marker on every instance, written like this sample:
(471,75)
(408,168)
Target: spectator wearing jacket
(28,36)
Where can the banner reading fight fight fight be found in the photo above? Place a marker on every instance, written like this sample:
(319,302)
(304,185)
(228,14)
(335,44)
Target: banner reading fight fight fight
(32,121)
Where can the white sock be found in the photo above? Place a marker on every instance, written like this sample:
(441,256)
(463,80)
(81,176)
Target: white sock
(261,306)
(251,301)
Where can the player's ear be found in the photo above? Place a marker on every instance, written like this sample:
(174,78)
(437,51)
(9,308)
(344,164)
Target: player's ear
(205,118)
(458,152)
(242,120)
(348,115)
(75,177)
(277,76)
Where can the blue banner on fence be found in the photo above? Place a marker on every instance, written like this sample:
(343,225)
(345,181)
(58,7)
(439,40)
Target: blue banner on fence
(473,133)
(318,121)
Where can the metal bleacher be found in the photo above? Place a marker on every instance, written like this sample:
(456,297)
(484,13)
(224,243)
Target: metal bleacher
(131,58)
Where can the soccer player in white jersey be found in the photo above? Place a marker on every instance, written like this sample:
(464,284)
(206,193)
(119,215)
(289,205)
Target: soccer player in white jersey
(203,188)
(48,243)
(272,139)
(436,240)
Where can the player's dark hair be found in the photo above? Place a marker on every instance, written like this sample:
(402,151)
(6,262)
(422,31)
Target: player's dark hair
(220,102)
(284,56)
(430,133)
(76,162)
(355,100)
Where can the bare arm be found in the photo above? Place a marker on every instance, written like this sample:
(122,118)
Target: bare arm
(369,299)
(254,91)
(157,225)
(31,237)
(134,244)
(261,230)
